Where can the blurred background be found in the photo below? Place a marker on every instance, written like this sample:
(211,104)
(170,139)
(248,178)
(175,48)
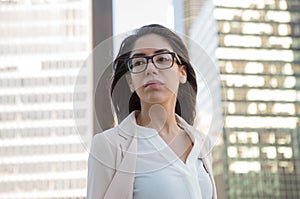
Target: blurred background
(255,45)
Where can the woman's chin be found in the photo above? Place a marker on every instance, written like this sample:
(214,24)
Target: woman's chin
(155,99)
(156,96)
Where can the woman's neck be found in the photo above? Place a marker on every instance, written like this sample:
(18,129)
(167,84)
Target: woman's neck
(162,118)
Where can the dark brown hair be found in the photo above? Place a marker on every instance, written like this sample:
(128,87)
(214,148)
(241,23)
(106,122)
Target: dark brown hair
(124,101)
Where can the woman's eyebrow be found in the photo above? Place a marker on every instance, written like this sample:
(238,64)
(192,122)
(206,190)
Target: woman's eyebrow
(157,51)
(138,54)
(162,50)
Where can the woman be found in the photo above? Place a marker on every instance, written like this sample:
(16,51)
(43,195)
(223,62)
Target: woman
(153,151)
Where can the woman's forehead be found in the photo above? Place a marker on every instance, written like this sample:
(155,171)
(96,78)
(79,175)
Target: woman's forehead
(151,41)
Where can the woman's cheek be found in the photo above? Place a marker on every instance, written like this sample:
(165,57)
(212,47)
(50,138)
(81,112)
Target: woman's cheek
(173,84)
(137,83)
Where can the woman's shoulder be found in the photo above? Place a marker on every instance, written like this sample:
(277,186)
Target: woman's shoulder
(109,134)
(105,142)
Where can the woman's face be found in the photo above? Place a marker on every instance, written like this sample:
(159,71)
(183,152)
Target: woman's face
(155,86)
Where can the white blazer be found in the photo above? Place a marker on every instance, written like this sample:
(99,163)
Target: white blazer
(111,163)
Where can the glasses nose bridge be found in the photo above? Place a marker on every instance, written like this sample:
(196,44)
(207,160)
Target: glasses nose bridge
(152,60)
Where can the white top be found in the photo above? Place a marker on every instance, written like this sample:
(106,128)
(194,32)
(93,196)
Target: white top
(161,174)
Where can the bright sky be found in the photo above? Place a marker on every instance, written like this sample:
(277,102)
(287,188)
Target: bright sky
(131,14)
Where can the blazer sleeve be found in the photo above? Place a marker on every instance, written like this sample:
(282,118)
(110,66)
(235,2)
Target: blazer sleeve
(101,166)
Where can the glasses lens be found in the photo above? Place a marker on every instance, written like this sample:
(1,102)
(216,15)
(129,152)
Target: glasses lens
(137,64)
(163,61)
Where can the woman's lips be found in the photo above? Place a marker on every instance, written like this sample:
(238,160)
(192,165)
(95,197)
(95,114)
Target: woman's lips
(153,84)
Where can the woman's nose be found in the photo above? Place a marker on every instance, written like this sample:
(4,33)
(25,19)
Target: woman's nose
(151,68)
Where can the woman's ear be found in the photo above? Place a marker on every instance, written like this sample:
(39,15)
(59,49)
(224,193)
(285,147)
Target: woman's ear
(129,81)
(182,74)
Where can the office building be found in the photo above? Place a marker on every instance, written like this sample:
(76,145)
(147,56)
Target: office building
(258,58)
(43,45)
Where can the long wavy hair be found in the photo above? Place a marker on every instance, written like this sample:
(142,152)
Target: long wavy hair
(124,101)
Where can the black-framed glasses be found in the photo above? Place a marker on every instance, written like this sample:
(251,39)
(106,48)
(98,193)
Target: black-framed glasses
(161,61)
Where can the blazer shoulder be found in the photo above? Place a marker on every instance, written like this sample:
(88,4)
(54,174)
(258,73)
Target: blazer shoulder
(110,134)
(108,139)
(105,146)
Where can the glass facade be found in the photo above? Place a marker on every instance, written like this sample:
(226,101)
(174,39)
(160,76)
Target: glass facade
(43,45)
(191,10)
(258,57)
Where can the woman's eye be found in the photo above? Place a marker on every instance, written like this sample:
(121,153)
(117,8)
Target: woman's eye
(163,59)
(139,63)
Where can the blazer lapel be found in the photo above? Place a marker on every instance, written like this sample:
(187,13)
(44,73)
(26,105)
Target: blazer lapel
(121,185)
